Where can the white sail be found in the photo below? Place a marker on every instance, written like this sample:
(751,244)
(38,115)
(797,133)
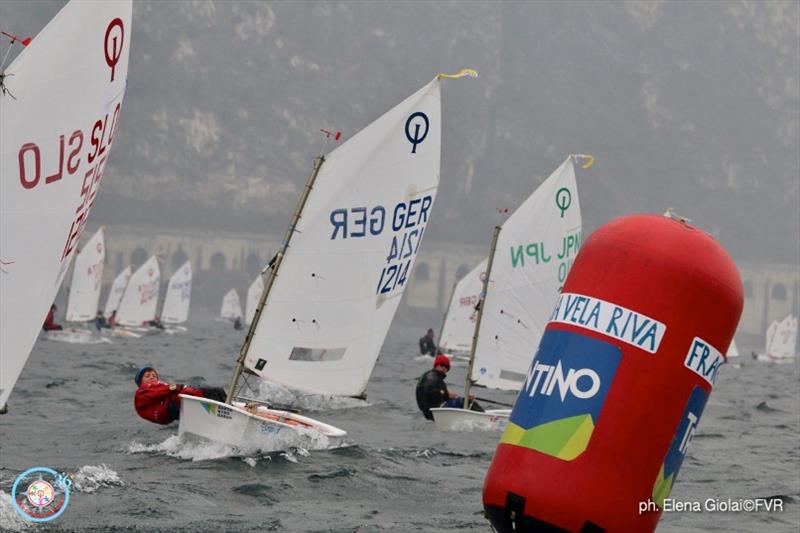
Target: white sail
(231,306)
(342,278)
(784,340)
(179,292)
(534,253)
(459,324)
(87,280)
(770,336)
(117,290)
(55,135)
(139,302)
(733,351)
(253,295)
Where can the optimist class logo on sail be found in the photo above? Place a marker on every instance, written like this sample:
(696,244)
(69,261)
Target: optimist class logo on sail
(110,48)
(407,219)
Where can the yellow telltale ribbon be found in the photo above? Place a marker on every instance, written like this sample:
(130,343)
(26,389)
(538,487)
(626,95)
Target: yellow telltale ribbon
(472,73)
(589,160)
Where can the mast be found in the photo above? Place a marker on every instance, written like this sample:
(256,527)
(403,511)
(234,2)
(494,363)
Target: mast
(273,274)
(481,301)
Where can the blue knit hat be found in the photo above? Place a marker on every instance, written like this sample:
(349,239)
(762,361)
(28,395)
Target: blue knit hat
(140,374)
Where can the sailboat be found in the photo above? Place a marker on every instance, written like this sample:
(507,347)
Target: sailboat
(536,246)
(84,294)
(253,296)
(781,341)
(458,325)
(60,102)
(116,291)
(733,350)
(87,279)
(338,277)
(178,296)
(139,302)
(231,306)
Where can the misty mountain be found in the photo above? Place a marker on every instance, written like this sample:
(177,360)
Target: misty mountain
(694,106)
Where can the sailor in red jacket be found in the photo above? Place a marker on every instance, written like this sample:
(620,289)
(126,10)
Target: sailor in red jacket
(158,402)
(50,320)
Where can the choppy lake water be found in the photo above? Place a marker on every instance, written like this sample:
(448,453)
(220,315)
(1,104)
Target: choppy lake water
(72,410)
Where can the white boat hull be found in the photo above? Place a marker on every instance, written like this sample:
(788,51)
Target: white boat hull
(451,419)
(262,430)
(75,336)
(135,332)
(125,332)
(767,358)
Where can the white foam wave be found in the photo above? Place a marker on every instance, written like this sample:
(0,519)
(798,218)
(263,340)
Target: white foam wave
(75,336)
(291,455)
(179,448)
(9,519)
(90,478)
(293,445)
(476,425)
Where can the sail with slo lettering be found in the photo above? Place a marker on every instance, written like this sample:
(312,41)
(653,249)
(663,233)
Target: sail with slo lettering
(329,309)
(138,305)
(459,322)
(231,306)
(178,297)
(60,103)
(87,280)
(116,291)
(534,253)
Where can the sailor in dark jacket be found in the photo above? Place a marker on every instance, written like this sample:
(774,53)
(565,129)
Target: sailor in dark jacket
(427,346)
(432,391)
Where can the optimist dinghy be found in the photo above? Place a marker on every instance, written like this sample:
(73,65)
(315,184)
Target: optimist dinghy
(139,302)
(175,310)
(117,290)
(337,279)
(781,341)
(231,307)
(520,287)
(87,279)
(84,295)
(458,325)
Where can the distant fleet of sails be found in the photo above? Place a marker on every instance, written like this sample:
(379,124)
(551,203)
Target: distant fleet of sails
(134,296)
(232,305)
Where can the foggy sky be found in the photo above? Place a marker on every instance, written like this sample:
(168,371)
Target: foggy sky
(694,106)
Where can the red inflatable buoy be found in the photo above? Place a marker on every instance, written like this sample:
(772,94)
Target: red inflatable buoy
(622,374)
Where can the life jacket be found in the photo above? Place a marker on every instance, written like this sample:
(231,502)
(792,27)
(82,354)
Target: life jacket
(427,346)
(158,402)
(431,392)
(50,322)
